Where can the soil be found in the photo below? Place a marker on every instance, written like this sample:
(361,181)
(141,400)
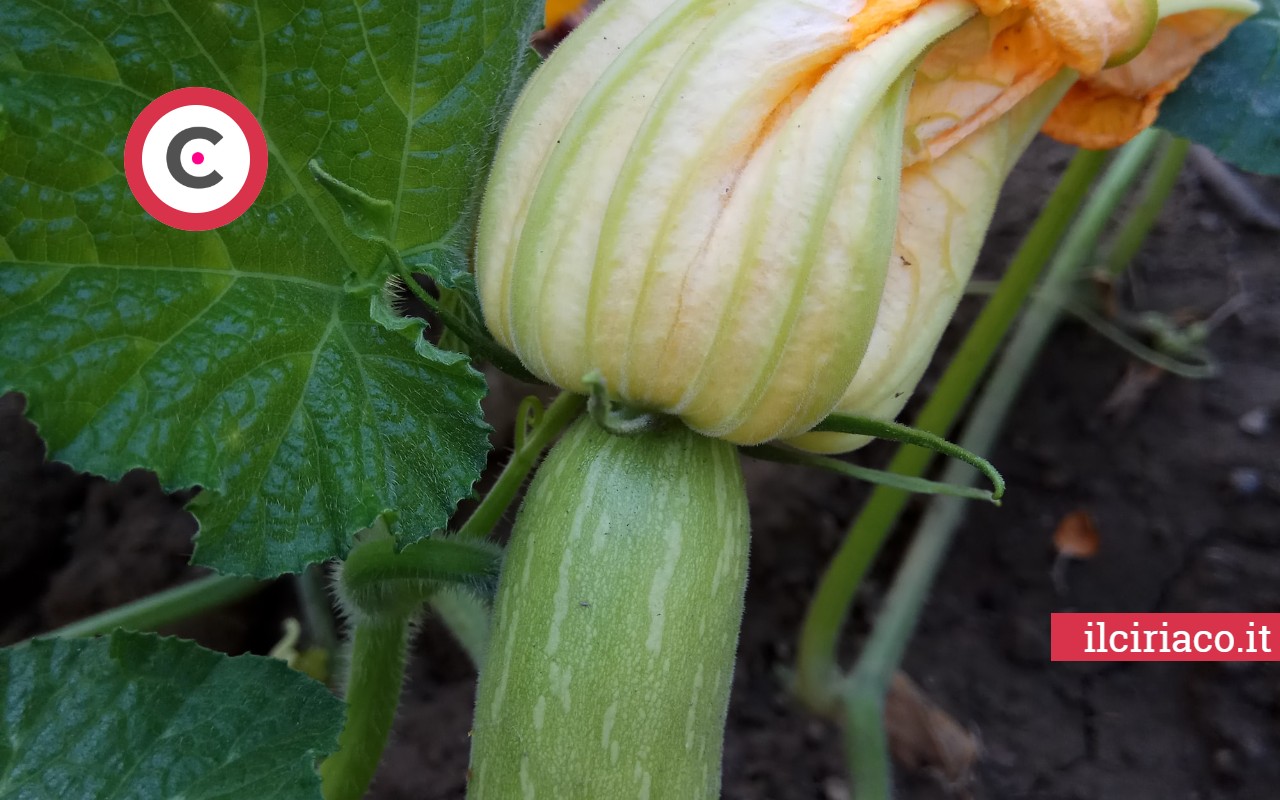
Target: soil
(1183,480)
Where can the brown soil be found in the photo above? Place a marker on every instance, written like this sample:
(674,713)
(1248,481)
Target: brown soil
(1186,499)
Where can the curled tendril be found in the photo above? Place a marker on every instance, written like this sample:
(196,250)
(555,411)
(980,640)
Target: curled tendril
(614,417)
(528,418)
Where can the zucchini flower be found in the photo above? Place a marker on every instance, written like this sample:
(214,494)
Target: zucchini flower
(744,214)
(978,98)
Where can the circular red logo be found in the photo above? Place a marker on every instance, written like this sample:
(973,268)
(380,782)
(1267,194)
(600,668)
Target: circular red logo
(195,159)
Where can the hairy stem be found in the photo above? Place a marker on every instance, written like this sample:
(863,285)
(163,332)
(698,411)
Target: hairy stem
(385,590)
(467,617)
(817,674)
(869,682)
(377,657)
(379,582)
(475,337)
(313,595)
(556,418)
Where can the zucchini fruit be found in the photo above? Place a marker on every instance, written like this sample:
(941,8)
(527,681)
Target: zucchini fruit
(616,622)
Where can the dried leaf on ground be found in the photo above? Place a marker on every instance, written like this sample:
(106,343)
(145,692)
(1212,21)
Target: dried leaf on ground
(922,736)
(1077,536)
(1132,391)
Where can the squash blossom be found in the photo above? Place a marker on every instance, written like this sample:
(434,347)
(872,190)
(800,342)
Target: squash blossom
(752,214)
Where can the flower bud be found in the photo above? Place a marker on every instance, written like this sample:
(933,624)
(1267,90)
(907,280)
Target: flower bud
(697,199)
(710,204)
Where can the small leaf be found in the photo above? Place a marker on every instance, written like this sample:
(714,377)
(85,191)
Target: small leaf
(138,717)
(370,218)
(924,737)
(1231,101)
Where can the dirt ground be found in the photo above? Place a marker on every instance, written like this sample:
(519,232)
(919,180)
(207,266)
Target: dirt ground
(1184,484)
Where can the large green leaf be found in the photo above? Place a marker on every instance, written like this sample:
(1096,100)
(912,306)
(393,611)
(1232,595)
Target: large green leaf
(137,716)
(1231,101)
(244,360)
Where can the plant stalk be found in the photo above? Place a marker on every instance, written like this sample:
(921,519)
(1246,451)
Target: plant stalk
(379,650)
(313,595)
(1133,231)
(163,608)
(563,410)
(377,581)
(817,674)
(477,340)
(468,618)
(385,590)
(867,686)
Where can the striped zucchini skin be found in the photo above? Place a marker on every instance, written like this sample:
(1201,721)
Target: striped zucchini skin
(616,623)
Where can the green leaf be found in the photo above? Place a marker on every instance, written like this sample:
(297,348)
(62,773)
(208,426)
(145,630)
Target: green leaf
(244,359)
(136,716)
(370,218)
(1231,101)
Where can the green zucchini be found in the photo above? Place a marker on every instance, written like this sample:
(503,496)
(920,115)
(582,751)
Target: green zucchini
(616,623)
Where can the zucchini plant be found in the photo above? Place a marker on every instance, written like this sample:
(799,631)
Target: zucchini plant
(718,228)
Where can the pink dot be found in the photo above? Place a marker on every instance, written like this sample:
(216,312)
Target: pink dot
(197,158)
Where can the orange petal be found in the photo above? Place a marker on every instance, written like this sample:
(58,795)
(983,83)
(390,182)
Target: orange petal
(972,78)
(1094,34)
(1108,109)
(1089,34)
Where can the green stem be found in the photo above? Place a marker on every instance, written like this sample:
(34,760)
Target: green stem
(1083,310)
(783,455)
(1135,228)
(468,618)
(375,677)
(481,345)
(817,674)
(385,589)
(905,434)
(864,714)
(316,608)
(377,581)
(556,418)
(163,608)
(869,682)
(1122,339)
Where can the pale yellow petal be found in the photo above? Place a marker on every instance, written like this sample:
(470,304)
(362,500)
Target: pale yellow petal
(943,214)
(535,125)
